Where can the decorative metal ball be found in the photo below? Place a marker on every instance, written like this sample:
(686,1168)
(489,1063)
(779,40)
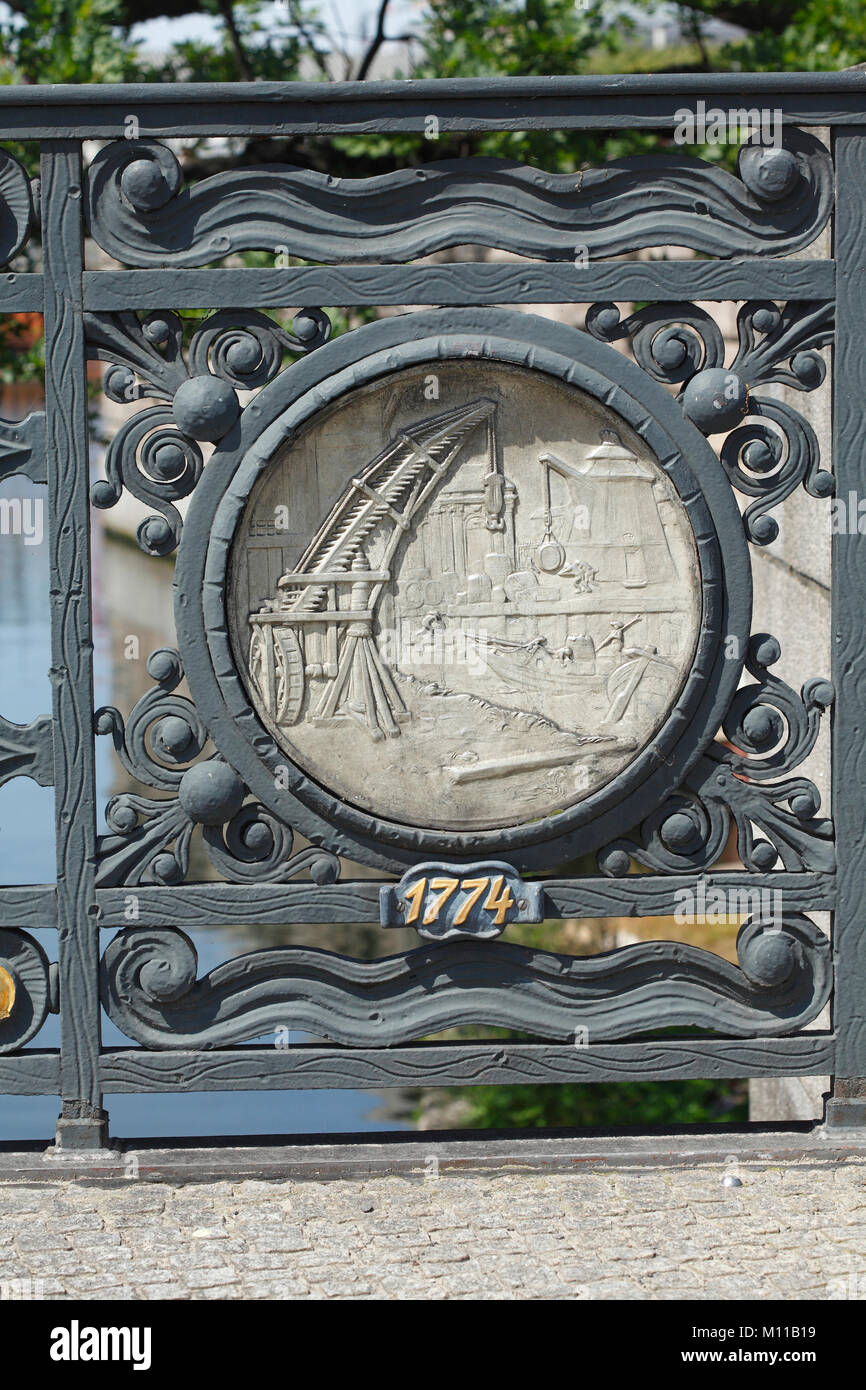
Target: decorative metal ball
(144,185)
(166,869)
(766,650)
(766,320)
(804,806)
(607,320)
(671,352)
(762,455)
(102,494)
(258,839)
(156,330)
(173,735)
(211,793)
(323,869)
(124,818)
(823,694)
(614,862)
(764,529)
(304,326)
(763,726)
(770,958)
(823,483)
(809,368)
(764,855)
(205,407)
(244,354)
(716,400)
(119,383)
(773,173)
(162,664)
(167,462)
(155,535)
(680,832)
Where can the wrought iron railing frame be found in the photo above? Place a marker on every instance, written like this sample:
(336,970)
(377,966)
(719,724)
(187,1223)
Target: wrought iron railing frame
(53,449)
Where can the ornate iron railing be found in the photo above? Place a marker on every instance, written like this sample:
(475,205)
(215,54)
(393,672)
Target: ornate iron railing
(299,721)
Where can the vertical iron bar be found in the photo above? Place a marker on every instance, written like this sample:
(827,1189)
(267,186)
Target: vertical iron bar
(83,1122)
(849,649)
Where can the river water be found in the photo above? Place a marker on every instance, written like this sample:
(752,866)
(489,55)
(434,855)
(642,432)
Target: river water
(132,596)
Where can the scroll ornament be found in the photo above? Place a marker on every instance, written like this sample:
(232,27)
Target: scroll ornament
(160,745)
(155,454)
(769,449)
(769,730)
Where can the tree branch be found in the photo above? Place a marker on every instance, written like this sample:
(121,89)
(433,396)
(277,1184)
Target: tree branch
(244,66)
(376,42)
(320,59)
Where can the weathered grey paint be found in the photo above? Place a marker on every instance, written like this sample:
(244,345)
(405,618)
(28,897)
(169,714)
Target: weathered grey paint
(82,1122)
(461,283)
(848,648)
(684,807)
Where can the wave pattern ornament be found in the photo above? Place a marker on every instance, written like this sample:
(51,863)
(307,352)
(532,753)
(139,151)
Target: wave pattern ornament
(151,991)
(772,731)
(769,449)
(155,455)
(140,212)
(150,839)
(27,989)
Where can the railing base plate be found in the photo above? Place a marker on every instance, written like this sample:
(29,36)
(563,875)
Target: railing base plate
(428,1155)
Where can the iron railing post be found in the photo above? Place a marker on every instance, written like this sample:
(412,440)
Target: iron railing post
(83,1122)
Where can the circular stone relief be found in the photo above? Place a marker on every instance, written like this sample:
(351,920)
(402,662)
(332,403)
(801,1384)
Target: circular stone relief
(465,598)
(462,583)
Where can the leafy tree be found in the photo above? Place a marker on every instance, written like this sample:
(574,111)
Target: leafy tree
(64,41)
(779,35)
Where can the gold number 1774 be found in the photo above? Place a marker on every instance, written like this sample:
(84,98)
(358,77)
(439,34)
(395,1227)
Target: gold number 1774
(499,898)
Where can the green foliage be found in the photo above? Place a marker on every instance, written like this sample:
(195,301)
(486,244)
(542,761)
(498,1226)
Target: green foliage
(823,35)
(22,356)
(511,38)
(781,35)
(65,41)
(269,44)
(618,1105)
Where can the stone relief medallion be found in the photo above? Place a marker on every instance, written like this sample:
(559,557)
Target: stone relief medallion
(464,596)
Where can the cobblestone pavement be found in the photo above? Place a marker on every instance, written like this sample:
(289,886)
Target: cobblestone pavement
(644,1234)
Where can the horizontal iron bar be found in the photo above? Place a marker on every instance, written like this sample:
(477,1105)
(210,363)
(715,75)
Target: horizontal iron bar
(468,282)
(466,1064)
(273,904)
(32,906)
(269,108)
(32,1072)
(21,293)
